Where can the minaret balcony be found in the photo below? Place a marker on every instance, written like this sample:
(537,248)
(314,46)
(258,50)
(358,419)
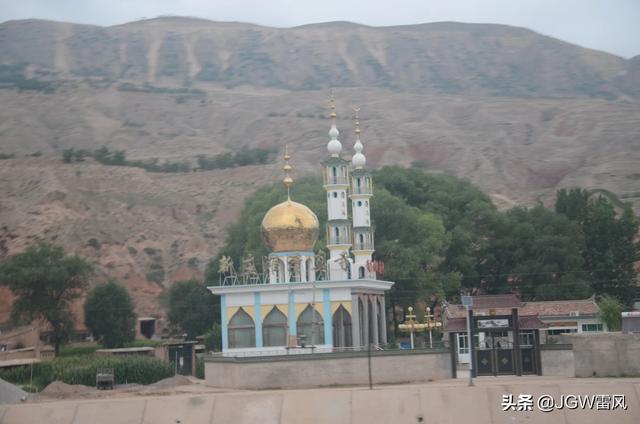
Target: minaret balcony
(363,246)
(364,190)
(336,180)
(341,239)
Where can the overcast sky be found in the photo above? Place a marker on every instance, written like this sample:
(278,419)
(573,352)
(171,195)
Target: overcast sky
(610,25)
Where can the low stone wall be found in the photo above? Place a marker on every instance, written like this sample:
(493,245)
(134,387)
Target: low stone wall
(329,369)
(605,354)
(557,360)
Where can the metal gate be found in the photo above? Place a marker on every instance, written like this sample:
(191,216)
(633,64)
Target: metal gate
(495,356)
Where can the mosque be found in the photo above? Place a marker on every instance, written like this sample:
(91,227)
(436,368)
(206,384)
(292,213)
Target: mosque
(304,302)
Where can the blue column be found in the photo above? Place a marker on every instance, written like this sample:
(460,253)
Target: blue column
(258,308)
(225,322)
(292,315)
(328,321)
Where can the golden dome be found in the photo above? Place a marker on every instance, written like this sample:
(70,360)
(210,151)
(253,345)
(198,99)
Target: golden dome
(290,227)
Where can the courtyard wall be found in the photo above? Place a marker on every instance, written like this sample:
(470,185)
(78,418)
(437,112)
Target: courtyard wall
(328,369)
(605,354)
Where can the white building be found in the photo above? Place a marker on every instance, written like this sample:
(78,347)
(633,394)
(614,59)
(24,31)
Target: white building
(304,302)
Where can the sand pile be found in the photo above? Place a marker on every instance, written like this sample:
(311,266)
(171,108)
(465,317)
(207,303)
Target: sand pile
(58,389)
(175,381)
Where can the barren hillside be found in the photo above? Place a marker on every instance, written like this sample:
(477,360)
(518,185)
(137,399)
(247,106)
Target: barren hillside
(516,113)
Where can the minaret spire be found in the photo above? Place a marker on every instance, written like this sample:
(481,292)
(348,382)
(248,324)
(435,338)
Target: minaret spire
(288,181)
(334,146)
(358,160)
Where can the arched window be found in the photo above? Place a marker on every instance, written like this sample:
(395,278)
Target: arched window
(242,330)
(361,238)
(336,231)
(335,194)
(342,328)
(361,272)
(359,202)
(274,328)
(311,324)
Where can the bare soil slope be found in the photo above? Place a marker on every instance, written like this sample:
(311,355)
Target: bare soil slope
(517,113)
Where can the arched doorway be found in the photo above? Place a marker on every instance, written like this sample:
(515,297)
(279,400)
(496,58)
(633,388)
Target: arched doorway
(342,328)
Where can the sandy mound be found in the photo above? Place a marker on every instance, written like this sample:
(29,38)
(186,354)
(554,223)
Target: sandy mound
(175,381)
(58,389)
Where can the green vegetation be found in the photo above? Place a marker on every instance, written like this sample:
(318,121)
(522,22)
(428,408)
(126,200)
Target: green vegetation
(45,283)
(82,370)
(7,156)
(13,76)
(610,310)
(155,272)
(200,368)
(119,158)
(242,158)
(109,314)
(440,236)
(190,308)
(213,338)
(611,245)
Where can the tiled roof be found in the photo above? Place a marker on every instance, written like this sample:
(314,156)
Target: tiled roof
(559,308)
(496,301)
(548,308)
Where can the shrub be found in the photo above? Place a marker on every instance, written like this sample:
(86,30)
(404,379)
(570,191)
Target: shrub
(82,370)
(200,368)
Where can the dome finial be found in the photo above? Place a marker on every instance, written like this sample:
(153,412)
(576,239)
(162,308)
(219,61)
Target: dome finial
(332,104)
(334,146)
(356,109)
(288,181)
(358,160)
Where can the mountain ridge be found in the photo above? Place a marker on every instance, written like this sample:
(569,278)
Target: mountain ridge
(518,115)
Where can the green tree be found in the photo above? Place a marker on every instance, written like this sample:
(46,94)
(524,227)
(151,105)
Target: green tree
(536,253)
(67,155)
(611,245)
(213,338)
(610,312)
(109,314)
(45,283)
(191,307)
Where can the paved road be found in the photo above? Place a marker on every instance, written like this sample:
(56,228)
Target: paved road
(447,401)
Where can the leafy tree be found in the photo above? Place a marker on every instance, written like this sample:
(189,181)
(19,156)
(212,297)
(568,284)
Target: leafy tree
(45,282)
(191,307)
(611,247)
(610,312)
(109,314)
(536,253)
(213,338)
(67,155)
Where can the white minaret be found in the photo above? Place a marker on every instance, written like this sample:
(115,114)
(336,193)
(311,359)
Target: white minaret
(361,193)
(336,184)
